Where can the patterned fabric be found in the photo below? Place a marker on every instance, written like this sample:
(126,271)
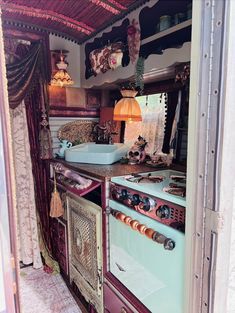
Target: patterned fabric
(28,242)
(45,293)
(106,58)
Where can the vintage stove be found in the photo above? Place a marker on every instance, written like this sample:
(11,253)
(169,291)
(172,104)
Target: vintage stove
(146,222)
(159,195)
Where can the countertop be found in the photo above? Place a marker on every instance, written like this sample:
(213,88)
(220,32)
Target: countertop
(103,172)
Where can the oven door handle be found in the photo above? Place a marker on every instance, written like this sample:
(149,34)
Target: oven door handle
(150,233)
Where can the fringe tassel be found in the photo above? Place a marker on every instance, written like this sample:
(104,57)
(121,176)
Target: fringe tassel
(56,207)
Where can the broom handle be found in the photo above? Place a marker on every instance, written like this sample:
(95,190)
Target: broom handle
(55,189)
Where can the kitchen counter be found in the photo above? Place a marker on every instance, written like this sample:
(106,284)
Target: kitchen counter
(103,172)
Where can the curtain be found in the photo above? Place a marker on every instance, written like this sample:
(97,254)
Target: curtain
(152,125)
(27,81)
(20,74)
(40,167)
(28,241)
(170,117)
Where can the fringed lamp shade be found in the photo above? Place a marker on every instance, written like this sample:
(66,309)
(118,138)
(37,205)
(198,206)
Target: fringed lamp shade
(61,77)
(127,109)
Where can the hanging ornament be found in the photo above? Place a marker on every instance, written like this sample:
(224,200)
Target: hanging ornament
(139,74)
(44,134)
(133,40)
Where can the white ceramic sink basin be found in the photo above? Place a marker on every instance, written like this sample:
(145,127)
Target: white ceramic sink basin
(96,153)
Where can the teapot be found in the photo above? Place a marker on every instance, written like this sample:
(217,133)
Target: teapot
(64,144)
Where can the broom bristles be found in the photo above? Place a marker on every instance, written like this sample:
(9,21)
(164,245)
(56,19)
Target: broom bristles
(56,207)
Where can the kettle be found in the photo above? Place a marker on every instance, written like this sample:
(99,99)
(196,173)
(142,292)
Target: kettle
(64,144)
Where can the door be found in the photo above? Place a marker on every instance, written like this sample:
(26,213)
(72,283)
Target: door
(8,278)
(85,255)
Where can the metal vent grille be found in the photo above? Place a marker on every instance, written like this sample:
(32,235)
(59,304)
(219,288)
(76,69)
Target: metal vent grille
(83,242)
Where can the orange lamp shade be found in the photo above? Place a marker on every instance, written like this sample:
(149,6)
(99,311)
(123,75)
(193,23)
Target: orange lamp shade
(127,109)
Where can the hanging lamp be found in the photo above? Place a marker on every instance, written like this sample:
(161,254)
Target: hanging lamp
(127,109)
(62,78)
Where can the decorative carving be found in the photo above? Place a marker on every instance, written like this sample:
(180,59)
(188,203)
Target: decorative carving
(85,248)
(133,39)
(117,34)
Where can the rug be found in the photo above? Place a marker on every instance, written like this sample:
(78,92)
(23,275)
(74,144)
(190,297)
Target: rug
(45,293)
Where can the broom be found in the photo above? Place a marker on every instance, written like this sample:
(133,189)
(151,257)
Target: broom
(56,207)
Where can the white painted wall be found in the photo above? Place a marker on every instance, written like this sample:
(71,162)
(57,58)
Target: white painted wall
(73,58)
(153,62)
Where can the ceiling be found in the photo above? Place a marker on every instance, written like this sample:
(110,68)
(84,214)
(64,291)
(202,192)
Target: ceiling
(78,20)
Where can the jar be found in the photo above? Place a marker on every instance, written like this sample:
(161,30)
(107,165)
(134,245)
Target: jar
(189,11)
(179,18)
(165,22)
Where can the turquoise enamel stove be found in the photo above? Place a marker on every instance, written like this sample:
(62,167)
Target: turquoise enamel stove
(146,237)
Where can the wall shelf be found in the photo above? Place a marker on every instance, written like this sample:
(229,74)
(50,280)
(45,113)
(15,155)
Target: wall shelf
(166,32)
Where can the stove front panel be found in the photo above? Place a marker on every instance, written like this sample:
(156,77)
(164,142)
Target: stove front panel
(160,210)
(154,274)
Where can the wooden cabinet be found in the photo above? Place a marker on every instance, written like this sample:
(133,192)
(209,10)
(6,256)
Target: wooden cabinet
(113,304)
(59,238)
(59,243)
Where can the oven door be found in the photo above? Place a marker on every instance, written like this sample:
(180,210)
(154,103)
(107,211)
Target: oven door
(153,274)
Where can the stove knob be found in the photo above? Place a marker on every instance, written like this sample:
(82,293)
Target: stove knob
(135,199)
(115,194)
(124,194)
(163,211)
(147,204)
(169,244)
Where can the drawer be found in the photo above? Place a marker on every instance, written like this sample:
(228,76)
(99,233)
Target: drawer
(112,303)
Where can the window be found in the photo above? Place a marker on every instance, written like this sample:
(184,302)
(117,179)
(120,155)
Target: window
(152,125)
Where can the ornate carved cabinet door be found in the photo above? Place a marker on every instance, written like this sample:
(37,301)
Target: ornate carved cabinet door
(85,256)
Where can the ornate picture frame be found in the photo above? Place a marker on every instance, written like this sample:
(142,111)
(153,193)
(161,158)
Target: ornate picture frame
(93,98)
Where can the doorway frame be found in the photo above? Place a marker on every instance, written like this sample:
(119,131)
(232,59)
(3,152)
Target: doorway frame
(8,257)
(208,221)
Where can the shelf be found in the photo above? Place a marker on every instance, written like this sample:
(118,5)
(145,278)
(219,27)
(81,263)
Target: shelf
(166,32)
(80,192)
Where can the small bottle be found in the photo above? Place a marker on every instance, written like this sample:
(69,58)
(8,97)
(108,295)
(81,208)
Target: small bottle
(165,22)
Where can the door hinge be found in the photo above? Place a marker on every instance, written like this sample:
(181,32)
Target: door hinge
(214,221)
